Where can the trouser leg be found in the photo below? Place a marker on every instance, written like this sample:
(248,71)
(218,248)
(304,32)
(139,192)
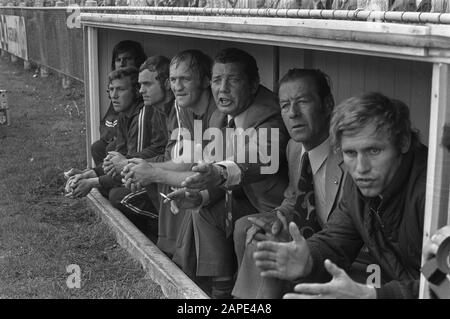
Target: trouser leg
(98,151)
(215,251)
(142,222)
(249,283)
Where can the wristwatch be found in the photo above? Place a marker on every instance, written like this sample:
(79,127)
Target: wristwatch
(223,174)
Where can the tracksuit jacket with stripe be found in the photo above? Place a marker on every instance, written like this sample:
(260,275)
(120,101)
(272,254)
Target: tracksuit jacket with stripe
(140,133)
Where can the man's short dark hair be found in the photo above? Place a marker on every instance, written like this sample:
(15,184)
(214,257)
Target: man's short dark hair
(121,73)
(321,80)
(355,113)
(160,65)
(199,61)
(234,55)
(135,48)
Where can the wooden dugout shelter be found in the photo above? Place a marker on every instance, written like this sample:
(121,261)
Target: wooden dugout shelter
(405,55)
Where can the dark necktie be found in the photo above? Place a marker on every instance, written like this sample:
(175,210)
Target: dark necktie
(305,206)
(197,117)
(229,197)
(231,123)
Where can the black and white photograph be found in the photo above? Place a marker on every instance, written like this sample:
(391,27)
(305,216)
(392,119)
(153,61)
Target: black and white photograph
(244,151)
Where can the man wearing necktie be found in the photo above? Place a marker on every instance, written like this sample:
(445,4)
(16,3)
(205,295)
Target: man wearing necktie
(249,107)
(382,207)
(315,175)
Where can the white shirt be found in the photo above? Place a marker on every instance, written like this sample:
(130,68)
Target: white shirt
(233,170)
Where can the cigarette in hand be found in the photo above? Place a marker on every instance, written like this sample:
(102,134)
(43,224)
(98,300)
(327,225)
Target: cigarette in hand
(167,198)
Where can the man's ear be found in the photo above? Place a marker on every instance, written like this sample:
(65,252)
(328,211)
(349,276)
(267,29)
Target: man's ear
(167,84)
(405,143)
(254,86)
(206,82)
(328,104)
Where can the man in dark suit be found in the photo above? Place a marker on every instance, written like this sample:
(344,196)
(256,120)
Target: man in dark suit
(250,180)
(306,103)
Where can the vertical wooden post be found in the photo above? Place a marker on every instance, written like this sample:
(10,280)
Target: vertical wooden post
(438,173)
(91,80)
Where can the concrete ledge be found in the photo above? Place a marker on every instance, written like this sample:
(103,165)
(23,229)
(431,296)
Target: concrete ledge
(173,281)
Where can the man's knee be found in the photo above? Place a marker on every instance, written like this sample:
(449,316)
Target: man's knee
(116,195)
(98,151)
(111,146)
(240,235)
(240,229)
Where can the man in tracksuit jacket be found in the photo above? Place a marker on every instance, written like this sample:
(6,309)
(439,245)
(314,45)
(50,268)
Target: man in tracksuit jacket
(137,136)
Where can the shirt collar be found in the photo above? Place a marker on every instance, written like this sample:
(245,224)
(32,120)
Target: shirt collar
(165,108)
(238,119)
(318,155)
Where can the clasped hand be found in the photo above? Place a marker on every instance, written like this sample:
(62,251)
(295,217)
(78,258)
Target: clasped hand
(206,175)
(137,174)
(272,226)
(114,163)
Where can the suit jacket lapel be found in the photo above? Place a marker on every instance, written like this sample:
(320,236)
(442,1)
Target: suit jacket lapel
(333,179)
(218,119)
(294,158)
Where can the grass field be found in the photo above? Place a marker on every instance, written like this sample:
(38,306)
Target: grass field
(41,231)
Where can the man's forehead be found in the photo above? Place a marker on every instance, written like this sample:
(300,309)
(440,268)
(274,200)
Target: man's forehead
(304,81)
(185,64)
(229,68)
(303,86)
(147,75)
(125,81)
(125,54)
(370,134)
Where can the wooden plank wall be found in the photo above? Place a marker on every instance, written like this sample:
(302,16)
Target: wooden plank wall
(351,74)
(409,81)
